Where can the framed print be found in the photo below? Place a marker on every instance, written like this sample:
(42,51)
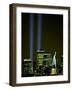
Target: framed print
(39,44)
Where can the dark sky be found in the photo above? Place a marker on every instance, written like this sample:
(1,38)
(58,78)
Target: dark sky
(51,35)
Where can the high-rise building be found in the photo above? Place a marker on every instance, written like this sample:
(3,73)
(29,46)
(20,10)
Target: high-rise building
(44,58)
(27,68)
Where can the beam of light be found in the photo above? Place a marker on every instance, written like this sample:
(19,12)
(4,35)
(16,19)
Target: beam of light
(31,36)
(39,31)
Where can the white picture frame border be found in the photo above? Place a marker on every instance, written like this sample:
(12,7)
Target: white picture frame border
(63,77)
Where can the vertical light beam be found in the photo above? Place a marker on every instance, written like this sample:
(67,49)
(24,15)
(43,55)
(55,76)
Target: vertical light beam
(39,31)
(31,36)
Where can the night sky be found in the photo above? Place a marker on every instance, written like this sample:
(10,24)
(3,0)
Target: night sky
(51,35)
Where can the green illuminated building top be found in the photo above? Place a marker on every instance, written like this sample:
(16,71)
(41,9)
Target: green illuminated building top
(44,58)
